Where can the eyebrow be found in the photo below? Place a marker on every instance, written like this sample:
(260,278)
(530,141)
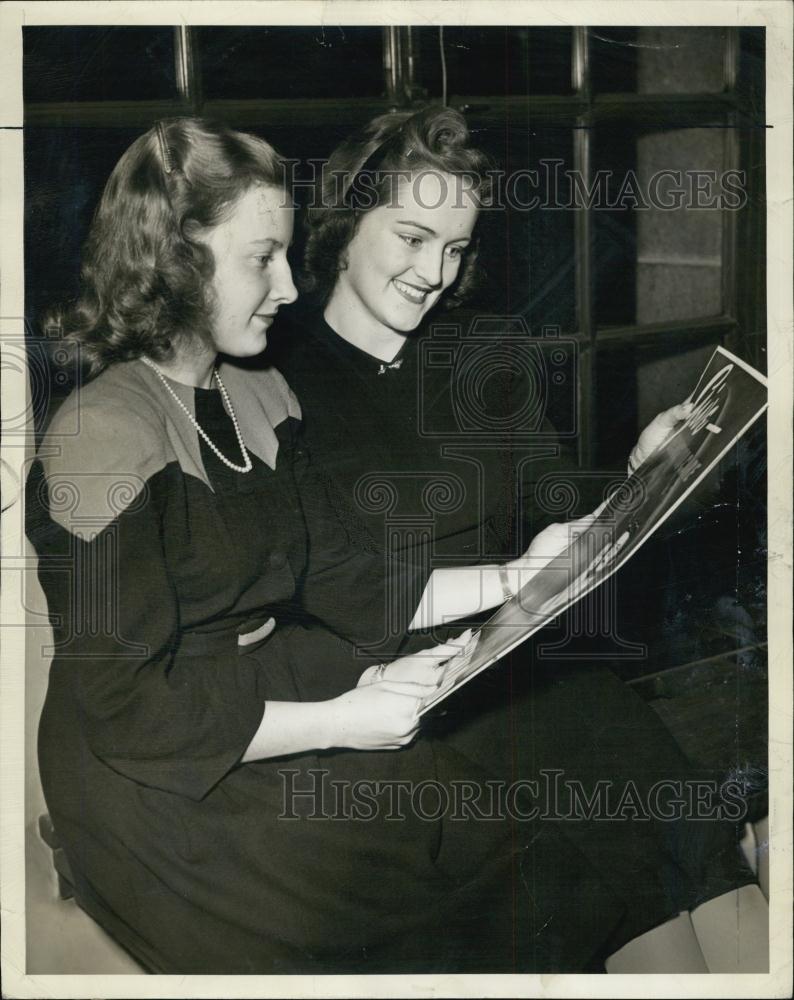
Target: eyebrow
(427,229)
(266,242)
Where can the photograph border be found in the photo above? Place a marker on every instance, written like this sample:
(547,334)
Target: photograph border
(776,16)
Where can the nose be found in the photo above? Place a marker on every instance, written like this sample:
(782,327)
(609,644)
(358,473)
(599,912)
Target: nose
(283,290)
(429,265)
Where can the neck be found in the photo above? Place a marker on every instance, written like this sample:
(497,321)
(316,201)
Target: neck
(372,337)
(191,369)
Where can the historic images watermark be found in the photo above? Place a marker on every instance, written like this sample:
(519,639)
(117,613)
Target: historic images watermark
(549,186)
(313,795)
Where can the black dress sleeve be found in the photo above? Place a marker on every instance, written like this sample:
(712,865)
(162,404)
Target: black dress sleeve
(96,519)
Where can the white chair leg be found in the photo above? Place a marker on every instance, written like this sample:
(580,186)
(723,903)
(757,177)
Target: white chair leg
(671,947)
(761,832)
(733,931)
(749,847)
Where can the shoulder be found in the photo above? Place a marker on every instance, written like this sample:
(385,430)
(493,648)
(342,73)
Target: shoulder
(104,444)
(300,351)
(117,410)
(260,392)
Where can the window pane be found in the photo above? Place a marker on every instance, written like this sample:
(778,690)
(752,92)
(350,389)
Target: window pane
(613,59)
(686,594)
(495,61)
(751,81)
(658,60)
(679,252)
(681,60)
(275,62)
(98,64)
(614,258)
(527,248)
(659,241)
(65,172)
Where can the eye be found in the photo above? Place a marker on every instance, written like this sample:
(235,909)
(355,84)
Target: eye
(263,259)
(414,242)
(455,253)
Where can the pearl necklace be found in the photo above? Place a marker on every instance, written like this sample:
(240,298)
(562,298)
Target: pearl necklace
(230,409)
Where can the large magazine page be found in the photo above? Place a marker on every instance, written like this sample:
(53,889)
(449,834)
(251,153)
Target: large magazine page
(728,398)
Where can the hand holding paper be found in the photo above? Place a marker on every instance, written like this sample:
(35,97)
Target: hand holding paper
(656,433)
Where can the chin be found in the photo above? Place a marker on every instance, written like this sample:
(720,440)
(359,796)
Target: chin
(249,350)
(407,324)
(254,345)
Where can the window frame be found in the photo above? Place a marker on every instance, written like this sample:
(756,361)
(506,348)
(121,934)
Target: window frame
(741,324)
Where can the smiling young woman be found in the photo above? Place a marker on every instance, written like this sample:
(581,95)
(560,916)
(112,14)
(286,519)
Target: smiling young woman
(424,434)
(404,255)
(189,554)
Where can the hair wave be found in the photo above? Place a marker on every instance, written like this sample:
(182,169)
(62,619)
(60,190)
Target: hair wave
(361,171)
(145,276)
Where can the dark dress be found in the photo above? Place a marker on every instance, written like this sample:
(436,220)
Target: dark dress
(154,557)
(439,457)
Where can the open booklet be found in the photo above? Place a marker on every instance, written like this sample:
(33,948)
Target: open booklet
(728,398)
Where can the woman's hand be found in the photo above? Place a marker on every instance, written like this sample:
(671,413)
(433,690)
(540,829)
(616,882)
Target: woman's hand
(418,668)
(656,432)
(379,716)
(545,546)
(382,712)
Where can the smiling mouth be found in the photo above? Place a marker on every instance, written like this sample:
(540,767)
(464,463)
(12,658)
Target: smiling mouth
(268,317)
(411,292)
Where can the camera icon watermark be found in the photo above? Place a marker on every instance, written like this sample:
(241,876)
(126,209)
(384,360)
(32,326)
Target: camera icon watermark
(502,381)
(44,369)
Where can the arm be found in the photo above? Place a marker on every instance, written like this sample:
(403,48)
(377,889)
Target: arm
(381,713)
(459,592)
(155,719)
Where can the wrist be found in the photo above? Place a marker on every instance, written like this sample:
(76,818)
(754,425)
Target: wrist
(518,575)
(329,724)
(506,581)
(368,676)
(372,674)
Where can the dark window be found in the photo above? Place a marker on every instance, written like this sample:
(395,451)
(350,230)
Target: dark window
(659,243)
(63,64)
(269,63)
(495,61)
(65,172)
(526,249)
(659,60)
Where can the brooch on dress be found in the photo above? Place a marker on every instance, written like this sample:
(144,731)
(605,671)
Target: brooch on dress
(395,365)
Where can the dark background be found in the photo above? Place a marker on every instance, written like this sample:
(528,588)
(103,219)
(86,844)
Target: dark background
(640,297)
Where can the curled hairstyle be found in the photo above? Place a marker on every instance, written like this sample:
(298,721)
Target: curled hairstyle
(146,276)
(361,173)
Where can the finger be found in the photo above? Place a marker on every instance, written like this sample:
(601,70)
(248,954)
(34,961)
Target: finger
(583,523)
(433,654)
(407,689)
(669,418)
(403,743)
(453,645)
(440,654)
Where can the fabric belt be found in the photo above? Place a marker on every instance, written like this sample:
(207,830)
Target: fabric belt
(224,641)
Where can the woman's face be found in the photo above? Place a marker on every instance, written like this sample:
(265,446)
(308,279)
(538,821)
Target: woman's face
(405,253)
(252,274)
